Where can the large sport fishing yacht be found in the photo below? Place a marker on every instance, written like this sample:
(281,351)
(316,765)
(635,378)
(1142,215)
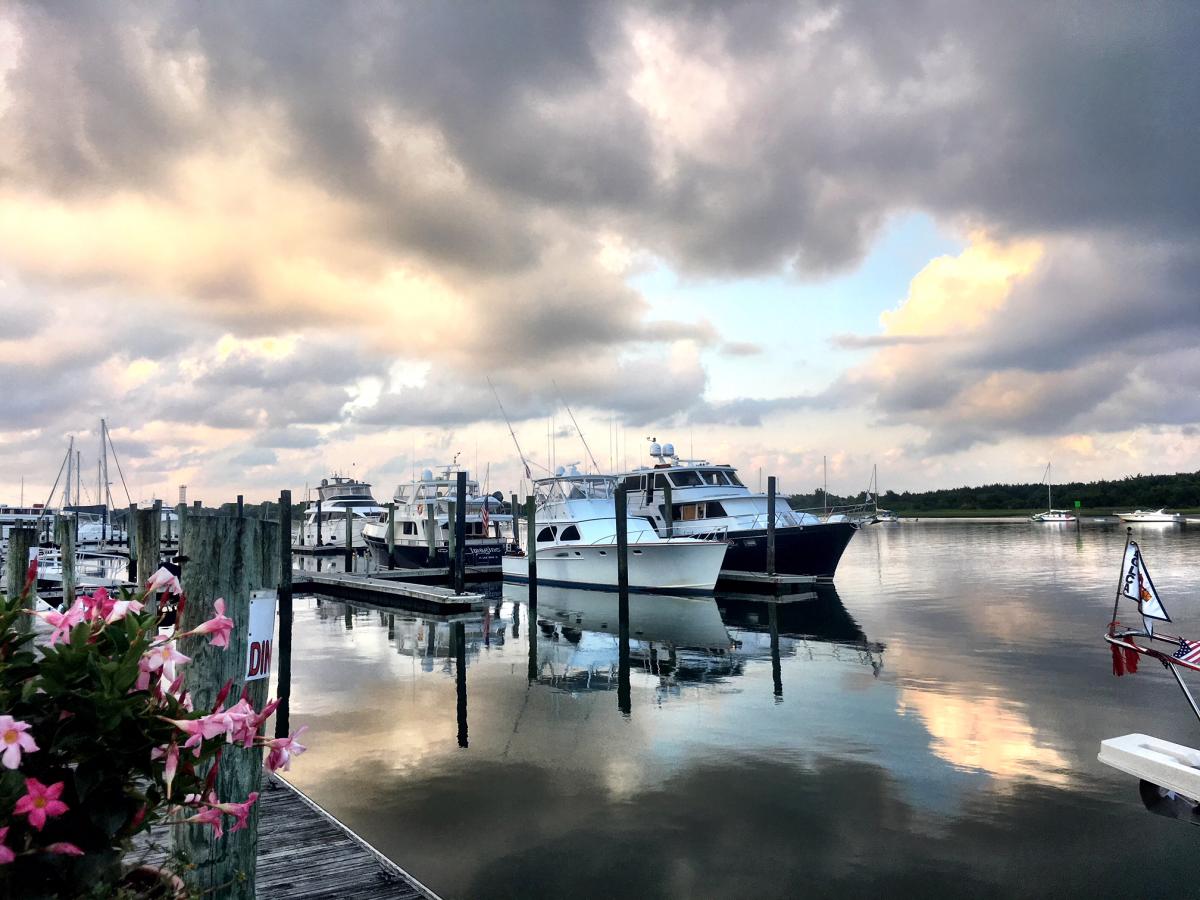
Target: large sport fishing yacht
(337,496)
(430,497)
(710,501)
(577,542)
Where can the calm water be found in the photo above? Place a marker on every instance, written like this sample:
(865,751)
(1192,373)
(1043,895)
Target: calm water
(929,728)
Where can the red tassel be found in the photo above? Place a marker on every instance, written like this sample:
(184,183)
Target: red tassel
(1118,660)
(1131,660)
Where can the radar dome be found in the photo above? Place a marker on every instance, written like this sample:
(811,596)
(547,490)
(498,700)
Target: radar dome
(668,450)
(427,474)
(560,471)
(655,450)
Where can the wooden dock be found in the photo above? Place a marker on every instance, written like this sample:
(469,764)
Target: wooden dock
(762,582)
(387,591)
(305,852)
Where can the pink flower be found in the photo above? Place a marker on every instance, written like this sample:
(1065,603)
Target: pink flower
(164,656)
(120,609)
(242,723)
(15,741)
(98,604)
(163,580)
(64,848)
(219,626)
(208,816)
(63,622)
(40,803)
(171,765)
(6,854)
(239,811)
(281,750)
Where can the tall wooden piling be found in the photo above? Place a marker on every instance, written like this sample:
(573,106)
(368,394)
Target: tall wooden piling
(668,508)
(516,533)
(531,554)
(319,523)
(286,615)
(624,699)
(180,519)
(431,531)
(349,539)
(130,527)
(64,536)
(776,671)
(451,537)
(146,524)
(391,534)
(240,505)
(21,538)
(228,557)
(771,525)
(460,535)
(458,634)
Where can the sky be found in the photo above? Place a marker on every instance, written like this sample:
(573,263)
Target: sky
(953,240)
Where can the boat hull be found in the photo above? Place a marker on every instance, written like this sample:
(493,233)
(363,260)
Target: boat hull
(416,556)
(676,567)
(799,550)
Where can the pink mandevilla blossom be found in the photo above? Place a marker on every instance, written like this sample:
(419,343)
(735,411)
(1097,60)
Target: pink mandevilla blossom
(281,750)
(120,609)
(170,767)
(219,626)
(164,656)
(163,580)
(40,803)
(98,604)
(239,811)
(208,816)
(15,741)
(63,622)
(64,848)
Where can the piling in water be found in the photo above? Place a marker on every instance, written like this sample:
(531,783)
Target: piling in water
(771,525)
(64,537)
(460,535)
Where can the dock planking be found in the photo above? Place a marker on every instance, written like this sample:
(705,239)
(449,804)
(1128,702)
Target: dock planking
(305,852)
(420,597)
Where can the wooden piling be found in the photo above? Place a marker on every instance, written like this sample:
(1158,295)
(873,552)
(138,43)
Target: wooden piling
(240,505)
(146,525)
(771,525)
(451,536)
(531,553)
(21,538)
(460,534)
(228,557)
(349,545)
(286,615)
(130,527)
(776,671)
(516,533)
(458,634)
(431,531)
(624,699)
(391,534)
(181,515)
(668,508)
(319,525)
(64,536)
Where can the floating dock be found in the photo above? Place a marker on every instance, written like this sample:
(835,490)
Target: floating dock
(304,851)
(388,591)
(764,583)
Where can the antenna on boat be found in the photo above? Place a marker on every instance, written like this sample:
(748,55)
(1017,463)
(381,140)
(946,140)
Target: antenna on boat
(578,430)
(524,461)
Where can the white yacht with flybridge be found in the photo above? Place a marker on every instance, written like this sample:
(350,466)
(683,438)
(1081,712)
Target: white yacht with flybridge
(709,501)
(576,542)
(337,496)
(427,499)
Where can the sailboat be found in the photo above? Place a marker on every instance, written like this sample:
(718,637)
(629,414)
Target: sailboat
(1051,515)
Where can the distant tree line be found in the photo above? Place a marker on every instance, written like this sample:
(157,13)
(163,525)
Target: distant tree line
(1179,491)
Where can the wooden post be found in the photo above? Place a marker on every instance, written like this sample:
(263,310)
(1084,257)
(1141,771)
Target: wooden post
(391,534)
(776,673)
(668,511)
(21,539)
(458,634)
(516,533)
(771,525)
(146,541)
(431,535)
(624,700)
(349,539)
(167,536)
(196,505)
(319,541)
(460,535)
(531,551)
(64,536)
(130,519)
(622,518)
(286,614)
(181,514)
(229,556)
(451,534)
(240,505)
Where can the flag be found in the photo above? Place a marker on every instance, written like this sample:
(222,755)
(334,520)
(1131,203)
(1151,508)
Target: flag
(1137,586)
(483,514)
(1189,651)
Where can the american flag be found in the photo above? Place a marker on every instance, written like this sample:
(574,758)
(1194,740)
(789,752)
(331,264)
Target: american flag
(483,515)
(1189,651)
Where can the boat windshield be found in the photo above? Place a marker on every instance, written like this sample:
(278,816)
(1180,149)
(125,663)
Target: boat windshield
(583,487)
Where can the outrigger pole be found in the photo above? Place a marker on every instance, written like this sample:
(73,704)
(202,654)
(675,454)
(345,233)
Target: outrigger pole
(578,430)
(521,454)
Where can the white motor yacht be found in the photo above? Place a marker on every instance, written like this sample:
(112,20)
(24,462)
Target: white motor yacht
(327,517)
(428,499)
(1157,516)
(576,542)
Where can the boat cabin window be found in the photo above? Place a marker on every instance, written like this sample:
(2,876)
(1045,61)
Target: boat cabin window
(690,512)
(546,534)
(410,527)
(631,483)
(734,480)
(570,533)
(713,476)
(686,478)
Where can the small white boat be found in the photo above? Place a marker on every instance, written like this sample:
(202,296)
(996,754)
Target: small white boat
(1052,515)
(1160,515)
(576,543)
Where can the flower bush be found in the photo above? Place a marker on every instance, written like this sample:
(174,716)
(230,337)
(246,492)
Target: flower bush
(99,740)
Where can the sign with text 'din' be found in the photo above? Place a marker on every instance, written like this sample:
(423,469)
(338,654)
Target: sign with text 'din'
(261,639)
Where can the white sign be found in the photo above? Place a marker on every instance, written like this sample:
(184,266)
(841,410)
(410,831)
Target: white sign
(261,639)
